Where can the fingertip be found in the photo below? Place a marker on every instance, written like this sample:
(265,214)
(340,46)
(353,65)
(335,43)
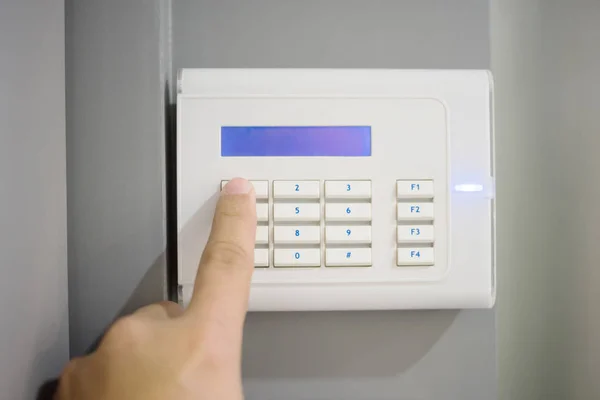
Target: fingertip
(238,186)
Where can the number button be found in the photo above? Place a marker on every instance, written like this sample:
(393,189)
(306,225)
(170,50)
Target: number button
(296,189)
(297,257)
(309,234)
(289,212)
(339,234)
(348,189)
(348,212)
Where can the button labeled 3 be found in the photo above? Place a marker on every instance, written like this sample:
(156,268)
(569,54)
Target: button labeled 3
(348,189)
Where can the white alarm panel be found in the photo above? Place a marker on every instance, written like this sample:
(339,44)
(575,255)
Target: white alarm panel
(375,188)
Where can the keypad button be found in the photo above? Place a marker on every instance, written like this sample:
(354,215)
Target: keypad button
(410,189)
(262,212)
(262,234)
(348,212)
(340,234)
(348,189)
(290,212)
(297,234)
(415,211)
(415,256)
(296,189)
(348,257)
(261,258)
(297,257)
(415,234)
(260,187)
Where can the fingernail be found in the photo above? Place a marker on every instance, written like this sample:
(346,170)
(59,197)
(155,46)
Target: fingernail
(237,186)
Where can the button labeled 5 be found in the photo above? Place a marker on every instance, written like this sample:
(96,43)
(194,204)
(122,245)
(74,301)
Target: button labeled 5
(288,212)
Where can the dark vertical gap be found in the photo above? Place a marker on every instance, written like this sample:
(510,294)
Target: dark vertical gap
(171,195)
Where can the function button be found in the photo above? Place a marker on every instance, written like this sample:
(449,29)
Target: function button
(296,189)
(348,212)
(415,256)
(290,212)
(262,212)
(297,234)
(261,258)
(348,257)
(348,189)
(297,257)
(415,211)
(410,189)
(262,234)
(260,187)
(415,234)
(340,234)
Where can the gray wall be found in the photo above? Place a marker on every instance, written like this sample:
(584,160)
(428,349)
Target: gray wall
(546,61)
(34,333)
(118,58)
(354,355)
(116,74)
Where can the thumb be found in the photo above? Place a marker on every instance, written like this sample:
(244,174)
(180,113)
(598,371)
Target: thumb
(222,286)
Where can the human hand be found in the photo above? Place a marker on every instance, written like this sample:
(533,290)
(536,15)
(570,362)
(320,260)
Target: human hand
(164,352)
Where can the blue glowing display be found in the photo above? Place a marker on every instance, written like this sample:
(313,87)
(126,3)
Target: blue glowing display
(295,141)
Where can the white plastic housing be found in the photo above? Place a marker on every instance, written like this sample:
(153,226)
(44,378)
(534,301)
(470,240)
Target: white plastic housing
(426,125)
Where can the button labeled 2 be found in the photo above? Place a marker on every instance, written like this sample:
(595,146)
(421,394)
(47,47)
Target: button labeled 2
(296,189)
(297,257)
(289,212)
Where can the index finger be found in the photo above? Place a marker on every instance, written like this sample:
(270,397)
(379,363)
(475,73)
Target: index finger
(223,279)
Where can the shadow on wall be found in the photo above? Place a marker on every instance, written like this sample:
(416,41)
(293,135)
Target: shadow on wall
(346,344)
(340,344)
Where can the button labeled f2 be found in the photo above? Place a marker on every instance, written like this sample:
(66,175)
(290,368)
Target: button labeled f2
(415,209)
